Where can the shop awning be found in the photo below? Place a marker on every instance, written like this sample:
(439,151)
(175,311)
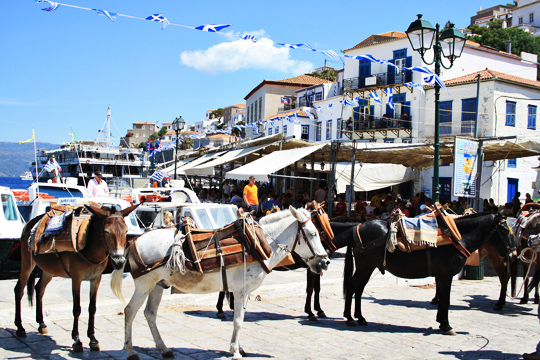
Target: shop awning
(208,168)
(181,169)
(271,163)
(371,176)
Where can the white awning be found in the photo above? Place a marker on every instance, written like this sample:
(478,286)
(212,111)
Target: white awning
(181,168)
(208,168)
(371,176)
(271,163)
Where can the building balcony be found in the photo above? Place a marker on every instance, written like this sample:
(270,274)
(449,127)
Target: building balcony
(377,80)
(367,128)
(452,128)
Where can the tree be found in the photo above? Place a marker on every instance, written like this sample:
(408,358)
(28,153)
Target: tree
(162,131)
(236,131)
(186,143)
(154,136)
(217,114)
(328,74)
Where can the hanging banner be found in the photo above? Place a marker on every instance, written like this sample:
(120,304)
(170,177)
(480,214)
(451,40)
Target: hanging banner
(465,167)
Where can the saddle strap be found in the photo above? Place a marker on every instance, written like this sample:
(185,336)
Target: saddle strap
(250,247)
(143,268)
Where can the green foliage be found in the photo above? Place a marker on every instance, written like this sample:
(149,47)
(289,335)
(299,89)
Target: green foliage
(217,114)
(162,131)
(478,30)
(328,74)
(154,136)
(142,145)
(186,144)
(495,24)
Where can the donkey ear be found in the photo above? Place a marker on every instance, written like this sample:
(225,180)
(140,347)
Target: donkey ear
(128,210)
(97,211)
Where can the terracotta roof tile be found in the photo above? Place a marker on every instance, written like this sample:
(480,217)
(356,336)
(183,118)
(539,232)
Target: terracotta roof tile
(288,113)
(379,38)
(491,75)
(476,45)
(144,123)
(305,80)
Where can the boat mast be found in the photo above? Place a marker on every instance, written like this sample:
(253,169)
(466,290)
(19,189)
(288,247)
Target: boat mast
(108,136)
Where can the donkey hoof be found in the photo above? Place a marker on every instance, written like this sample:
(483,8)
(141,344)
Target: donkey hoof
(536,301)
(351,323)
(312,318)
(524,301)
(42,329)
(221,315)
(168,354)
(77,347)
(21,333)
(450,332)
(498,307)
(242,352)
(362,322)
(321,314)
(133,357)
(434,302)
(94,346)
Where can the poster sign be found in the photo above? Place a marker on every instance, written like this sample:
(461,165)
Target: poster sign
(465,167)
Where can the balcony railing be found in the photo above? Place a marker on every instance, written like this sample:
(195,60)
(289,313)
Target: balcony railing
(452,128)
(381,79)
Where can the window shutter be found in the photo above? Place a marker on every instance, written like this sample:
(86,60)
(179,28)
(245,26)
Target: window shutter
(408,73)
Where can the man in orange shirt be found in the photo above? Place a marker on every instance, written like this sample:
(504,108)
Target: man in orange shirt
(251,197)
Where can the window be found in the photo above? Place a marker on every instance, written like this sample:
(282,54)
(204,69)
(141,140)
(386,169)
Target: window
(260,108)
(329,130)
(468,115)
(445,117)
(255,111)
(406,140)
(318,96)
(305,132)
(9,207)
(269,131)
(389,140)
(318,131)
(144,127)
(531,119)
(277,130)
(339,131)
(284,129)
(510,113)
(531,18)
(512,163)
(247,116)
(520,20)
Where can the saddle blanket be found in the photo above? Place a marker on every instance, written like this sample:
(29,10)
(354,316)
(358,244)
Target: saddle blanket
(421,230)
(56,225)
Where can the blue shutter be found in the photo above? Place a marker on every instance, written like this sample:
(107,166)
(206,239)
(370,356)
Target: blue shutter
(391,73)
(389,111)
(408,73)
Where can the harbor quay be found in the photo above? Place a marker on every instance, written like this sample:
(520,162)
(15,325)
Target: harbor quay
(401,322)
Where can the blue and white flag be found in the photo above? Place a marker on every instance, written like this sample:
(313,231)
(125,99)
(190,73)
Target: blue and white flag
(432,79)
(212,27)
(388,92)
(347,102)
(329,107)
(271,123)
(310,115)
(159,175)
(250,37)
(110,15)
(333,55)
(370,58)
(159,18)
(422,69)
(52,5)
(318,108)
(295,46)
(375,97)
(415,85)
(296,120)
(51,165)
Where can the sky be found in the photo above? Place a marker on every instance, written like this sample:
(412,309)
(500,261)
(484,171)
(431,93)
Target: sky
(60,70)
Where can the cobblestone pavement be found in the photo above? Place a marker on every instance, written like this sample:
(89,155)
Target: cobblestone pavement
(401,323)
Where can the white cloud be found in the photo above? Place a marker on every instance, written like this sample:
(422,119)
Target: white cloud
(14,102)
(244,54)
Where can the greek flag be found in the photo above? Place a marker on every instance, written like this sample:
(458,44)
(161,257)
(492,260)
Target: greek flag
(52,5)
(159,175)
(370,58)
(159,18)
(415,85)
(329,107)
(333,55)
(250,37)
(432,79)
(212,27)
(295,46)
(388,92)
(310,115)
(422,69)
(347,102)
(51,165)
(110,15)
(375,97)
(320,110)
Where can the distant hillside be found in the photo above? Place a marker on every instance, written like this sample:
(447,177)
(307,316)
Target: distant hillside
(15,159)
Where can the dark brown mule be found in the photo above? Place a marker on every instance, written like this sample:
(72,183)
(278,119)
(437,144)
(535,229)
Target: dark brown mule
(106,237)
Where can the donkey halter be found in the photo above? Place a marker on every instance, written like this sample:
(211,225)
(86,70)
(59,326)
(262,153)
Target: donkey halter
(301,229)
(509,249)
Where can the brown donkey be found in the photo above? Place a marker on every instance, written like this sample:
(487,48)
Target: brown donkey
(106,237)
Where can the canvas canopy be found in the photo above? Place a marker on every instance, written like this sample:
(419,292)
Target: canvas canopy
(181,168)
(371,176)
(208,167)
(271,163)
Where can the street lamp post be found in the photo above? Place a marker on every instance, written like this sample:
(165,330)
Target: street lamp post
(176,129)
(450,45)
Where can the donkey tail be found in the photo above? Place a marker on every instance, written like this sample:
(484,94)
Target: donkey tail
(116,280)
(30,288)
(348,268)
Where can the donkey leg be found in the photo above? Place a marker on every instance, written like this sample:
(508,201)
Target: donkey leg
(40,291)
(76,291)
(310,284)
(435,300)
(129,315)
(500,269)
(316,299)
(445,285)
(219,305)
(358,299)
(525,298)
(150,313)
(27,266)
(94,286)
(238,321)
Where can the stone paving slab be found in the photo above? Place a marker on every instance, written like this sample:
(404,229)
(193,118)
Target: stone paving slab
(401,323)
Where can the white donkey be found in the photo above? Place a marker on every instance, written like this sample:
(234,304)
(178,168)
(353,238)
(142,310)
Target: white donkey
(281,229)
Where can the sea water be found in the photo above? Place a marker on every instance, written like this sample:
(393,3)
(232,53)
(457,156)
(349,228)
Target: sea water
(15,182)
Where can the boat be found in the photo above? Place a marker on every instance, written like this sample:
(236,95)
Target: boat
(11,223)
(27,176)
(80,159)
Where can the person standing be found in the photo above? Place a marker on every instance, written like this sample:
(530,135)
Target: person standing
(516,204)
(97,186)
(320,194)
(251,197)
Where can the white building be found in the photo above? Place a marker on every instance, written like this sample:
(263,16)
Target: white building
(206,125)
(527,16)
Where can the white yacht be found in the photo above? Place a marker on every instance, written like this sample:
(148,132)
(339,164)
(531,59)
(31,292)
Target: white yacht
(27,176)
